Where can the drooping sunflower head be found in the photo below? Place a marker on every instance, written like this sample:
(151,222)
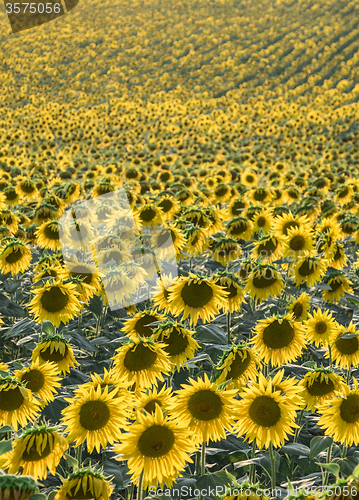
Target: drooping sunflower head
(48,236)
(268,247)
(263,281)
(226,250)
(230,284)
(181,345)
(55,349)
(19,487)
(240,228)
(345,346)
(339,284)
(15,257)
(139,325)
(299,307)
(309,269)
(85,484)
(237,365)
(319,385)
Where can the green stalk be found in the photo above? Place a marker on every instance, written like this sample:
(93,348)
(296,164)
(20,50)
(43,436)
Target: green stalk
(198,463)
(132,490)
(140,491)
(79,455)
(228,327)
(326,475)
(295,439)
(203,459)
(272,461)
(252,468)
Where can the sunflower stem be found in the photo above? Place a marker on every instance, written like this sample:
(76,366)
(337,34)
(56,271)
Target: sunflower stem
(228,327)
(348,375)
(79,455)
(140,482)
(345,447)
(252,469)
(295,439)
(203,459)
(326,475)
(273,472)
(330,356)
(198,463)
(132,490)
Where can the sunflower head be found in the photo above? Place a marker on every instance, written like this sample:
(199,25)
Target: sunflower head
(55,349)
(17,487)
(85,484)
(15,257)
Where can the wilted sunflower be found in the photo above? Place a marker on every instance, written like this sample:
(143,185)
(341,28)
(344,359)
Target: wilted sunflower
(141,362)
(56,349)
(38,450)
(264,280)
(345,346)
(196,297)
(148,399)
(230,284)
(340,416)
(139,325)
(56,301)
(239,365)
(265,415)
(41,378)
(181,345)
(279,340)
(96,416)
(339,284)
(206,409)
(15,257)
(320,327)
(299,307)
(17,404)
(19,487)
(169,207)
(309,269)
(339,259)
(85,484)
(48,236)
(157,447)
(319,385)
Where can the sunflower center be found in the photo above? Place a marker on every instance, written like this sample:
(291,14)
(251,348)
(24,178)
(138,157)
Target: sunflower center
(150,407)
(177,343)
(51,233)
(82,272)
(335,285)
(297,243)
(139,358)
(94,415)
(142,327)
(298,310)
(289,225)
(305,269)
(320,388)
(347,346)
(148,214)
(205,405)
(11,400)
(239,366)
(349,409)
(53,300)
(265,411)
(27,188)
(321,327)
(35,380)
(239,228)
(156,441)
(197,294)
(232,291)
(32,454)
(260,194)
(261,222)
(265,279)
(278,335)
(54,356)
(14,256)
(268,248)
(166,205)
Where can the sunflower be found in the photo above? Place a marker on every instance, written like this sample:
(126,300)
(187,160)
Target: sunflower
(160,292)
(196,297)
(26,188)
(140,324)
(77,234)
(195,240)
(89,276)
(345,346)
(15,257)
(237,206)
(339,259)
(9,220)
(147,400)
(17,404)
(118,286)
(230,284)
(339,416)
(157,447)
(181,346)
(268,247)
(284,223)
(48,236)
(141,362)
(238,365)
(320,327)
(297,241)
(240,228)
(299,307)
(339,284)
(56,301)
(149,214)
(226,250)
(55,349)
(263,221)
(41,378)
(319,385)
(264,280)
(279,340)
(51,271)
(19,487)
(96,416)
(169,207)
(205,409)
(110,381)
(265,415)
(38,450)
(308,269)
(83,484)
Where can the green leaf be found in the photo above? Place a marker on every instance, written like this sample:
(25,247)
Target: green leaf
(6,428)
(5,446)
(71,460)
(48,327)
(295,449)
(211,333)
(319,444)
(95,305)
(332,468)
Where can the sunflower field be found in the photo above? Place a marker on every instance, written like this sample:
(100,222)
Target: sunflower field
(233,125)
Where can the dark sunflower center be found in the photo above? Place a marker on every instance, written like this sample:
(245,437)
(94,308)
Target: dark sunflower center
(237,207)
(335,285)
(150,407)
(232,291)
(338,254)
(268,248)
(320,388)
(347,346)
(142,327)
(34,380)
(349,409)
(33,456)
(239,366)
(156,441)
(83,273)
(177,343)
(166,205)
(14,256)
(205,405)
(298,310)
(27,188)
(261,222)
(278,335)
(148,214)
(320,327)
(94,415)
(11,400)
(53,300)
(260,194)
(139,358)
(10,194)
(51,232)
(343,192)
(289,225)
(197,294)
(54,356)
(297,243)
(305,269)
(239,228)
(222,191)
(48,273)
(265,411)
(265,279)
